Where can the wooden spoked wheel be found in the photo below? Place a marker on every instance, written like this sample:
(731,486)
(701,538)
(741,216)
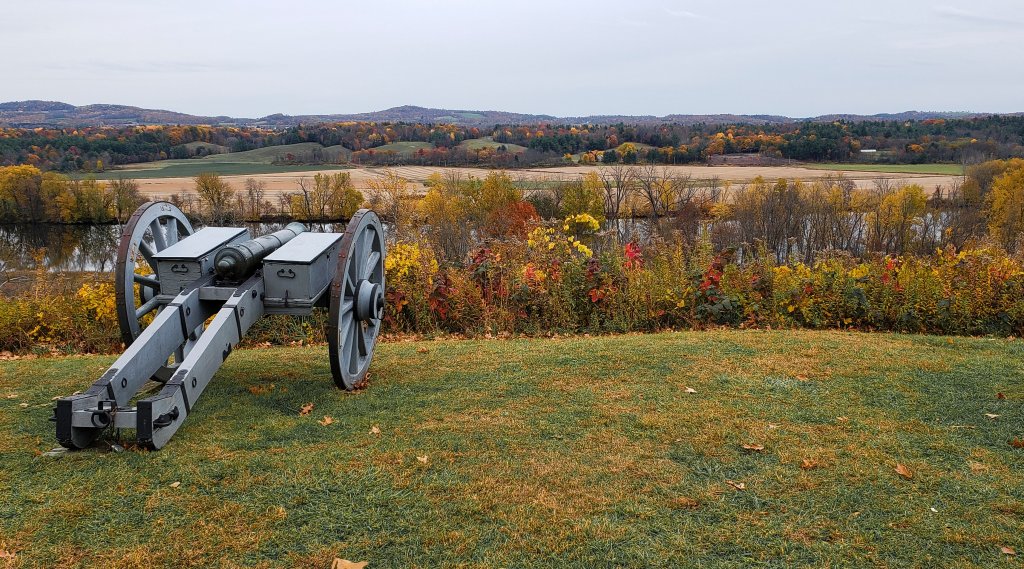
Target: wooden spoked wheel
(153,227)
(357,300)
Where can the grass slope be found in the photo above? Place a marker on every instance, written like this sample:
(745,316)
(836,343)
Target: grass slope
(584,452)
(488,142)
(258,161)
(940,169)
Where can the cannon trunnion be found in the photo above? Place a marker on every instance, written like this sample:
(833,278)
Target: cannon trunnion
(185,299)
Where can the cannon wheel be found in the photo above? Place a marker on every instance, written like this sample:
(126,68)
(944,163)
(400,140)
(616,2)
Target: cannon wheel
(357,300)
(153,227)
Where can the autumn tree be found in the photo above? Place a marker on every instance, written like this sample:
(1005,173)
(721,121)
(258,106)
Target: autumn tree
(124,198)
(1006,214)
(388,194)
(216,195)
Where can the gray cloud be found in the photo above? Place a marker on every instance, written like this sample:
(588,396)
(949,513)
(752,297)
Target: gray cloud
(252,58)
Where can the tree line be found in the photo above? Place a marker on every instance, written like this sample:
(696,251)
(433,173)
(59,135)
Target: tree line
(92,149)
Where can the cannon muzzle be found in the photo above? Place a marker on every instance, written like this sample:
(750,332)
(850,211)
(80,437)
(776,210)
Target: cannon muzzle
(237,261)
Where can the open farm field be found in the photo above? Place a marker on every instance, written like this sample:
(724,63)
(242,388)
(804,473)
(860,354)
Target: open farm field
(719,448)
(268,160)
(287,181)
(944,169)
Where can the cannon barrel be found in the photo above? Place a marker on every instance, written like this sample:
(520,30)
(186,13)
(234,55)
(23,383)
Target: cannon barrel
(239,260)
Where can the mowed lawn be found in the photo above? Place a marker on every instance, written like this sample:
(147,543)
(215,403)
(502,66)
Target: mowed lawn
(578,452)
(943,169)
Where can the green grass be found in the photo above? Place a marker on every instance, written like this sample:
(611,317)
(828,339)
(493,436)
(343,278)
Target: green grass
(488,142)
(259,161)
(581,452)
(941,169)
(406,149)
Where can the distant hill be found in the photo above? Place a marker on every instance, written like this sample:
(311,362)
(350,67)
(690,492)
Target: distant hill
(57,114)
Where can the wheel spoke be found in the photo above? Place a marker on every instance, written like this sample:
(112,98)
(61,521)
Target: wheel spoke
(353,351)
(347,305)
(145,309)
(147,253)
(158,235)
(147,280)
(172,231)
(361,336)
(371,263)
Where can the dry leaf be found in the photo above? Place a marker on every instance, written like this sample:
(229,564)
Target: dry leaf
(903,471)
(327,421)
(801,377)
(7,554)
(23,405)
(12,395)
(809,464)
(689,390)
(991,415)
(754,448)
(175,484)
(306,409)
(340,563)
(1000,395)
(1008,550)
(375,430)
(736,485)
(773,425)
(842,419)
(422,350)
(1017,443)
(422,459)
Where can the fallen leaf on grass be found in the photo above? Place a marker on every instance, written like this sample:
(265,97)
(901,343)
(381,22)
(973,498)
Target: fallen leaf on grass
(1017,443)
(306,409)
(7,554)
(801,377)
(23,405)
(340,563)
(375,430)
(422,459)
(422,350)
(1000,395)
(175,484)
(842,419)
(689,390)
(809,464)
(12,395)
(1008,550)
(754,448)
(991,415)
(327,421)
(736,485)
(903,471)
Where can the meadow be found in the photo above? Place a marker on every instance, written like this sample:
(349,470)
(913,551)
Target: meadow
(941,169)
(719,448)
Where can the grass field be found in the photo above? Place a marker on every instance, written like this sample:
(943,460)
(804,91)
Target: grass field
(583,452)
(403,148)
(488,142)
(249,162)
(945,169)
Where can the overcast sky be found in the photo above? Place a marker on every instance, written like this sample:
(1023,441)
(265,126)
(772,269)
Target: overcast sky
(250,59)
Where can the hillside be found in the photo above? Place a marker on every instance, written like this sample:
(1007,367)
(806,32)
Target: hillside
(57,114)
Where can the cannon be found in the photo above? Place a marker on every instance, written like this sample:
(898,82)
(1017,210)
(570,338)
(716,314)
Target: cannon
(186,298)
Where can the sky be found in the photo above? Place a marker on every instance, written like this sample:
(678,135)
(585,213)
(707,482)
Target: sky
(637,57)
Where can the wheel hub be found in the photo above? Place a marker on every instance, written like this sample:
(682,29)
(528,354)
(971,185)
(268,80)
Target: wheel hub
(369,301)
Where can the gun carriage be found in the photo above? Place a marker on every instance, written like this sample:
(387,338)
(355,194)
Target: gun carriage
(186,298)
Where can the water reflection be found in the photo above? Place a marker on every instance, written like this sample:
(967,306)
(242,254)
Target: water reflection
(91,248)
